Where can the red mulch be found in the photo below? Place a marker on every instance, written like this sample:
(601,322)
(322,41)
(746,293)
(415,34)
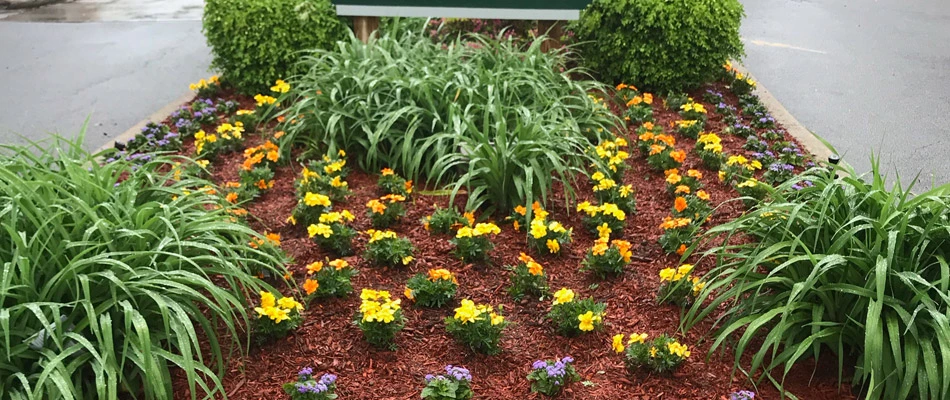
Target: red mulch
(329,342)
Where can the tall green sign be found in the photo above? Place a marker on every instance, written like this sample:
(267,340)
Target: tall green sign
(492,9)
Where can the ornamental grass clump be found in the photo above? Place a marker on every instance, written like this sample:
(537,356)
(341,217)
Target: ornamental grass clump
(605,259)
(477,326)
(573,317)
(386,211)
(385,248)
(443,221)
(308,387)
(678,286)
(454,384)
(108,282)
(380,318)
(328,279)
(548,237)
(661,355)
(527,278)
(276,318)
(332,233)
(472,244)
(550,377)
(433,290)
(852,264)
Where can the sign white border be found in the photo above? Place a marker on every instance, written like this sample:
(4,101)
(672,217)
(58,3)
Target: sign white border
(458,12)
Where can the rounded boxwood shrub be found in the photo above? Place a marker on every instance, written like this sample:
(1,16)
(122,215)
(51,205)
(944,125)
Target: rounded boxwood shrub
(255,42)
(659,44)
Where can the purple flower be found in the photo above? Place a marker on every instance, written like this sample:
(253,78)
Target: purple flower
(116,184)
(758,155)
(539,364)
(810,164)
(328,379)
(567,359)
(459,373)
(769,153)
(429,377)
(305,371)
(742,395)
(171,135)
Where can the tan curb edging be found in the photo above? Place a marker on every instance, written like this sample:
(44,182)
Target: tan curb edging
(804,136)
(156,117)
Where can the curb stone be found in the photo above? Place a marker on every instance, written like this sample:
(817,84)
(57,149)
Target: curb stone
(156,117)
(807,138)
(25,4)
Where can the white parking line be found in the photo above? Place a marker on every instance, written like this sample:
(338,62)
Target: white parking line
(782,45)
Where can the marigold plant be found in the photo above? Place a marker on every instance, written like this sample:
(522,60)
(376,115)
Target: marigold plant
(661,355)
(386,211)
(315,178)
(678,234)
(434,289)
(206,88)
(693,206)
(276,318)
(444,221)
(477,326)
(639,106)
(387,249)
(379,317)
(548,237)
(741,84)
(608,260)
(390,183)
(709,150)
(310,207)
(738,168)
(692,111)
(472,244)
(607,215)
(612,156)
(663,156)
(607,190)
(527,278)
(331,232)
(683,184)
(678,286)
(573,317)
(519,215)
(329,279)
(690,128)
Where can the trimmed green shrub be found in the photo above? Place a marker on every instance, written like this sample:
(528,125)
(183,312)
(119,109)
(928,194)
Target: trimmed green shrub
(255,42)
(840,264)
(107,285)
(659,45)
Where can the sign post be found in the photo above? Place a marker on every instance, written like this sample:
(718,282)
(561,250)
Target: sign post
(366,13)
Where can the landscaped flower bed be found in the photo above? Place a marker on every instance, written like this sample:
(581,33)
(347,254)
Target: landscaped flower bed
(640,299)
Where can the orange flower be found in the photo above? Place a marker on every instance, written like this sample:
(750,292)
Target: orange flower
(673,178)
(679,204)
(682,189)
(280,118)
(678,155)
(656,149)
(278,134)
(387,171)
(646,136)
(314,267)
(274,238)
(273,155)
(232,185)
(681,250)
(666,138)
(702,195)
(376,206)
(694,174)
(232,197)
(310,286)
(648,125)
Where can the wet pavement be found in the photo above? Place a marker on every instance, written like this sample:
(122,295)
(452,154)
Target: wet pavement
(125,60)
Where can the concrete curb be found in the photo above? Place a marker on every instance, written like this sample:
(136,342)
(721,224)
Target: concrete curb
(156,117)
(22,5)
(798,131)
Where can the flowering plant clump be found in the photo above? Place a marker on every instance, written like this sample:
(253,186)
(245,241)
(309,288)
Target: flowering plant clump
(477,326)
(606,216)
(472,244)
(789,153)
(154,137)
(572,317)
(454,384)
(206,88)
(709,149)
(307,387)
(742,395)
(663,155)
(528,278)
(694,206)
(387,249)
(763,120)
(519,216)
(248,118)
(753,189)
(739,129)
(662,354)
(226,106)
(648,133)
(379,317)
(756,144)
(386,211)
(331,232)
(677,184)
(774,135)
(741,84)
(690,128)
(432,290)
(604,260)
(315,178)
(678,234)
(549,377)
(738,168)
(639,108)
(443,221)
(328,279)
(257,170)
(608,191)
(693,111)
(612,156)
(778,172)
(267,105)
(712,97)
(678,285)
(390,183)
(310,207)
(276,318)
(210,145)
(548,237)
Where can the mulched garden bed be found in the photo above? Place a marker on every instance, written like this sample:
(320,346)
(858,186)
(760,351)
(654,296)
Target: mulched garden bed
(329,342)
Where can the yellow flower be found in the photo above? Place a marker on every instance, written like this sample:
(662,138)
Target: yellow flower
(280,87)
(587,321)
(702,195)
(387,172)
(268,299)
(467,312)
(288,303)
(618,343)
(337,182)
(320,229)
(553,246)
(347,215)
(292,220)
(667,274)
(375,236)
(262,100)
(464,232)
(604,231)
(407,259)
(538,229)
(750,183)
(637,338)
(722,176)
(682,271)
(652,352)
(316,199)
(678,349)
(339,264)
(564,295)
(486,228)
(597,176)
(496,319)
